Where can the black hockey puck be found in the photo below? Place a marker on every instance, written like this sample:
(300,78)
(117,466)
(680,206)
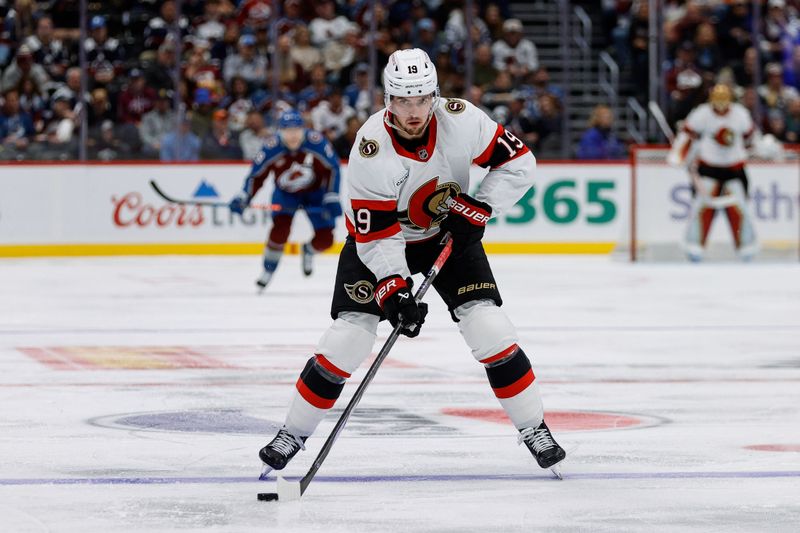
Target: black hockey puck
(268,496)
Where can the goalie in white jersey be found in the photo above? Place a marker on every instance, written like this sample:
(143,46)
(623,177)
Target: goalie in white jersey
(408,177)
(712,146)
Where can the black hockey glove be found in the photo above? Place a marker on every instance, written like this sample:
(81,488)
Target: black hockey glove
(394,297)
(466,220)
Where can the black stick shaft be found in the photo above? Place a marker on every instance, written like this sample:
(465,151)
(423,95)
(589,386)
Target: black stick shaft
(373,369)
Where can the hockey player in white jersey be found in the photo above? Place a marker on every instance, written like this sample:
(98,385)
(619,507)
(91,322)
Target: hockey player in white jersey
(408,178)
(712,146)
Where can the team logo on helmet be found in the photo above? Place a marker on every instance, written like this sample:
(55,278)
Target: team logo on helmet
(454,106)
(368,147)
(428,205)
(361,291)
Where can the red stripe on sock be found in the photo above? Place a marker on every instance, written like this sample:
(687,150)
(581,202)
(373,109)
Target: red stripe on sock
(515,388)
(500,355)
(317,401)
(330,367)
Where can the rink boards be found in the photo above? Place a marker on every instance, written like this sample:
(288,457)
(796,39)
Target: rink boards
(110,209)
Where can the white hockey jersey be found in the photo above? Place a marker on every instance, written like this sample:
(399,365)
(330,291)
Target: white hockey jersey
(721,139)
(398,195)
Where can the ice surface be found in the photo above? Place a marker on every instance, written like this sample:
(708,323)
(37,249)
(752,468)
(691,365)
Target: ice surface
(136,392)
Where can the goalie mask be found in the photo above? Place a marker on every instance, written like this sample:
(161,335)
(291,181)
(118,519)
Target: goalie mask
(409,74)
(720,98)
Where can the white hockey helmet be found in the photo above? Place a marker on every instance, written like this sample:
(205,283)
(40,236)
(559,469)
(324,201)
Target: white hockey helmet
(409,73)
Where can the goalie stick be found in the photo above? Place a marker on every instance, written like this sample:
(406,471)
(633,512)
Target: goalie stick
(293,490)
(212,203)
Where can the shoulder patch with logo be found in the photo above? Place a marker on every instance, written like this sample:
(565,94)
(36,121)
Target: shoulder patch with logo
(314,136)
(271,142)
(454,106)
(368,147)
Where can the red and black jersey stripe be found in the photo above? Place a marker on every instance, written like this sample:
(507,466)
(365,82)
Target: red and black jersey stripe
(374,219)
(512,376)
(504,147)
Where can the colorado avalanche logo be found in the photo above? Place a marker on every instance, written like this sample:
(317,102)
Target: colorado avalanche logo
(724,137)
(368,148)
(361,291)
(428,206)
(295,178)
(454,106)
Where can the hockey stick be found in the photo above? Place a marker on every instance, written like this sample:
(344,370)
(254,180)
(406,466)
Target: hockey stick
(293,490)
(211,203)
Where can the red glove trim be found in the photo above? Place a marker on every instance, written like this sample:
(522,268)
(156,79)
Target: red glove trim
(476,216)
(388,286)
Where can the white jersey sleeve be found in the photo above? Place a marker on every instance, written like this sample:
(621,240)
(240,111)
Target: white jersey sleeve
(511,164)
(373,176)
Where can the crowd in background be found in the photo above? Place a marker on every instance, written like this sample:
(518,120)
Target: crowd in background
(227,70)
(711,41)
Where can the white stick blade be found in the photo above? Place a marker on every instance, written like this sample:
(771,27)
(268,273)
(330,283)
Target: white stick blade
(288,490)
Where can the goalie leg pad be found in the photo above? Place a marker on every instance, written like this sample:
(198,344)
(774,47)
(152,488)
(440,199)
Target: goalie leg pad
(486,328)
(740,220)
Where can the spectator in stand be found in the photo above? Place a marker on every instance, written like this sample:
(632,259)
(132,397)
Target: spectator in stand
(136,99)
(426,37)
(203,109)
(456,32)
(155,34)
(494,22)
(776,124)
(686,27)
(639,53)
(199,70)
(211,28)
(31,101)
(16,126)
(781,32)
(793,121)
(358,93)
(483,71)
(183,147)
(254,135)
(599,141)
(539,84)
(548,121)
(246,63)
(253,13)
(330,116)
(519,121)
(774,94)
(219,142)
(344,142)
(72,88)
(708,57)
(684,84)
(238,104)
(104,54)
(24,66)
(104,145)
(734,33)
(744,71)
(327,26)
(159,73)
(317,91)
(292,17)
(100,108)
(514,52)
(47,50)
(499,93)
(156,124)
(57,139)
(303,54)
(339,55)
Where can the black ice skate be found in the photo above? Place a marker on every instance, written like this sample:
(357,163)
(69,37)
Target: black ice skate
(307,258)
(543,447)
(280,451)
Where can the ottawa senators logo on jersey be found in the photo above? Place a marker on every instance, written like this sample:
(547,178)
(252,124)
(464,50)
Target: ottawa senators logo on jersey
(428,204)
(454,106)
(361,291)
(724,137)
(368,147)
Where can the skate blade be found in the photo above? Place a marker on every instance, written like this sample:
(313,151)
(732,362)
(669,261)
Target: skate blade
(288,490)
(265,473)
(556,470)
